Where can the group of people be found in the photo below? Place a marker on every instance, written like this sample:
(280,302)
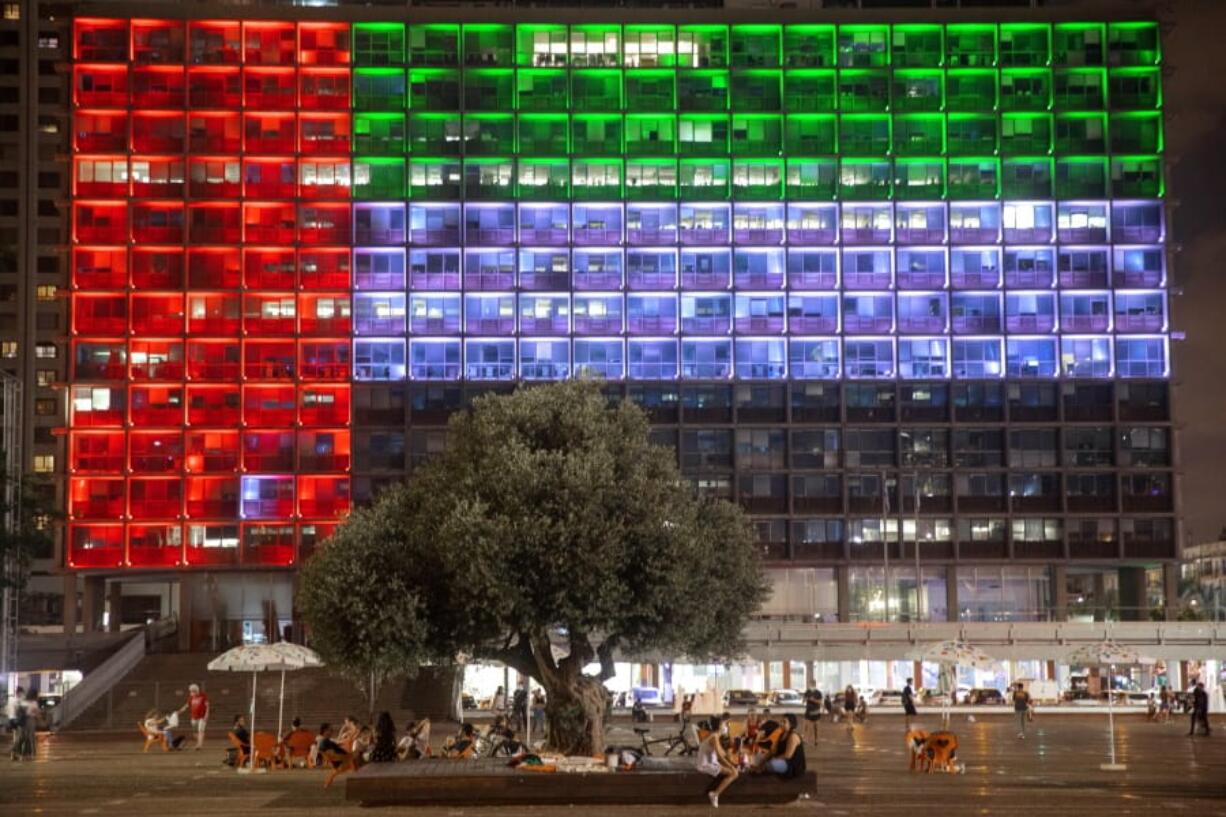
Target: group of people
(517,709)
(164,724)
(847,706)
(1160,707)
(21,715)
(766,747)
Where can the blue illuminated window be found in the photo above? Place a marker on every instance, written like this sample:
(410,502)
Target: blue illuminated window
(489,359)
(706,359)
(1085,357)
(1141,357)
(761,359)
(599,358)
(868,358)
(435,359)
(1030,357)
(544,359)
(653,359)
(814,359)
(378,360)
(923,358)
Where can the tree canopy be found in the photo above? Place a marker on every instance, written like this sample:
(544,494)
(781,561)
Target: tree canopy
(550,518)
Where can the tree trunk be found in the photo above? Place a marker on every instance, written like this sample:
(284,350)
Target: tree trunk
(574,713)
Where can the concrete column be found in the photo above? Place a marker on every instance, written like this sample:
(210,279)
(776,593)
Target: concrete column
(1132,594)
(951,594)
(115,602)
(91,603)
(1059,592)
(844,594)
(1100,597)
(185,614)
(70,604)
(1170,590)
(917,672)
(787,674)
(810,675)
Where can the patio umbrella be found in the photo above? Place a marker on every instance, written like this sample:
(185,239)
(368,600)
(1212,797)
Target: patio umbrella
(1107,653)
(254,658)
(956,653)
(296,653)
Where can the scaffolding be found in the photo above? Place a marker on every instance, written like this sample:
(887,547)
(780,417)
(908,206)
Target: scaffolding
(10,443)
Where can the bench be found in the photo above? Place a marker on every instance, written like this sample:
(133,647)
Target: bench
(489,782)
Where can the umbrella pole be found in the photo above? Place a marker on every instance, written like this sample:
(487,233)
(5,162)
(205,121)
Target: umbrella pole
(1113,766)
(281,707)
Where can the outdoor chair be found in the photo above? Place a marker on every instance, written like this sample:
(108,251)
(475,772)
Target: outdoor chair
(337,764)
(152,738)
(298,747)
(240,757)
(263,749)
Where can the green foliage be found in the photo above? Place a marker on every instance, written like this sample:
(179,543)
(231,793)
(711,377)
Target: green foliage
(31,537)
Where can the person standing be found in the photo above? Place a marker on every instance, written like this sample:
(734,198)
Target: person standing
(813,711)
(1200,711)
(29,715)
(13,709)
(197,708)
(908,703)
(1021,706)
(499,704)
(850,703)
(1164,704)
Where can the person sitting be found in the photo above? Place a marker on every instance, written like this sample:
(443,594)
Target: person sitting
(463,745)
(788,757)
(416,741)
(349,731)
(159,726)
(713,760)
(363,743)
(324,744)
(240,736)
(383,750)
(862,709)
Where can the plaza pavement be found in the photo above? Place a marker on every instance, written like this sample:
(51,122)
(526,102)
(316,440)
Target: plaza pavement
(1052,773)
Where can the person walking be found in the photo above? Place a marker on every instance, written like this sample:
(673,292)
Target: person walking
(813,711)
(908,703)
(1164,704)
(30,713)
(197,708)
(1021,706)
(13,709)
(1200,711)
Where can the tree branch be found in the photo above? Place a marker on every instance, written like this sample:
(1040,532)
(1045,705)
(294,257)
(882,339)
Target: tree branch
(605,653)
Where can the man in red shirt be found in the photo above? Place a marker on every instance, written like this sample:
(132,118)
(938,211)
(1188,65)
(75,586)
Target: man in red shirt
(198,707)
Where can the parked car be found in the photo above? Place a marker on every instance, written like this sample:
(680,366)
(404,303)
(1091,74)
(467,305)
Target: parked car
(647,696)
(740,697)
(467,701)
(785,697)
(889,697)
(985,696)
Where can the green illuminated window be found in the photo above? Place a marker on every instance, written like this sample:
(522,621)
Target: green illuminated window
(864,180)
(864,91)
(1025,134)
(650,90)
(1081,177)
(919,134)
(434,44)
(544,134)
(541,89)
(434,134)
(974,178)
(489,134)
(812,179)
(971,134)
(757,134)
(1136,176)
(811,134)
(757,179)
(756,46)
(1136,132)
(649,46)
(970,89)
(595,179)
(544,179)
(757,91)
(705,179)
(541,45)
(970,45)
(918,91)
(650,135)
(1079,44)
(1027,177)
(651,179)
(434,179)
(596,46)
(1081,133)
(490,45)
(917,46)
(865,46)
(810,91)
(702,46)
(434,89)
(379,89)
(702,91)
(379,178)
(488,179)
(489,89)
(1134,88)
(702,135)
(596,134)
(864,134)
(1025,89)
(1025,44)
(1133,44)
(596,90)
(808,46)
(919,178)
(378,44)
(379,134)
(1079,88)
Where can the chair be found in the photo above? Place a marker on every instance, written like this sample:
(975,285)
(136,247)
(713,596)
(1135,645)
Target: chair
(263,749)
(298,746)
(338,763)
(240,758)
(152,738)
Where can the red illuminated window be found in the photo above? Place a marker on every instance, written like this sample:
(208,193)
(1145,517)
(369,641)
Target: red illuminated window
(213,314)
(313,535)
(268,223)
(215,177)
(213,268)
(156,359)
(99,360)
(214,87)
(268,406)
(269,178)
(268,497)
(268,451)
(212,497)
(323,44)
(155,452)
(100,176)
(105,131)
(103,86)
(103,222)
(268,544)
(155,497)
(158,86)
(269,132)
(324,315)
(213,360)
(99,267)
(325,360)
(324,223)
(324,268)
(157,268)
(215,223)
(95,546)
(323,134)
(156,177)
(324,405)
(214,132)
(268,268)
(157,41)
(98,452)
(323,450)
(213,406)
(270,89)
(157,314)
(265,315)
(158,132)
(96,498)
(268,360)
(157,222)
(211,452)
(215,544)
(154,545)
(156,405)
(100,314)
(324,178)
(214,42)
(323,89)
(323,496)
(98,406)
(101,40)
(268,43)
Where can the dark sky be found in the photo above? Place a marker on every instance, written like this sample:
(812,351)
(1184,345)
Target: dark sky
(1195,100)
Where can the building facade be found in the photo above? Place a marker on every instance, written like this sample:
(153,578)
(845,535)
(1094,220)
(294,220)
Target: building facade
(889,285)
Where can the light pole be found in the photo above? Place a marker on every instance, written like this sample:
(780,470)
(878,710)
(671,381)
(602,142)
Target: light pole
(885,541)
(918,578)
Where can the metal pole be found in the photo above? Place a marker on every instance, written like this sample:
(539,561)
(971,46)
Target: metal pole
(885,540)
(10,569)
(919,582)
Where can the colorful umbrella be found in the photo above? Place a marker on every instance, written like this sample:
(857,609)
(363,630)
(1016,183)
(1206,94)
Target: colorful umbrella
(255,658)
(956,653)
(292,653)
(1107,653)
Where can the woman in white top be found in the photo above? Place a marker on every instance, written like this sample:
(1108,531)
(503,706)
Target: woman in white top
(714,760)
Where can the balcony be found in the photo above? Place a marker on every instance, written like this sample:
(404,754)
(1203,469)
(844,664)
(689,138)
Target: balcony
(979,279)
(1085,323)
(539,281)
(707,325)
(760,324)
(976,324)
(866,280)
(446,325)
(911,279)
(604,325)
(921,324)
(867,324)
(546,236)
(815,324)
(1030,324)
(703,235)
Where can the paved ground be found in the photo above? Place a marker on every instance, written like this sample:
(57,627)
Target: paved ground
(1053,772)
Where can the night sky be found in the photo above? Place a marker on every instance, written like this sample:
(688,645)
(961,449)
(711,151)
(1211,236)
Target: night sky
(1195,100)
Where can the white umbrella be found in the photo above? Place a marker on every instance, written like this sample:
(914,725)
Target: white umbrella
(1107,654)
(254,658)
(956,653)
(297,653)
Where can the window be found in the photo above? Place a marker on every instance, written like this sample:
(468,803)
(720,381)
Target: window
(12,11)
(44,463)
(45,351)
(8,349)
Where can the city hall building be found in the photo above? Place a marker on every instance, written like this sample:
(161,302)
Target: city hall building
(894,281)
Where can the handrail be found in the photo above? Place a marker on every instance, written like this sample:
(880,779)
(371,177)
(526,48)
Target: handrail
(82,696)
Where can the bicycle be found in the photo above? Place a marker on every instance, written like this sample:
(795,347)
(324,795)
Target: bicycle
(678,744)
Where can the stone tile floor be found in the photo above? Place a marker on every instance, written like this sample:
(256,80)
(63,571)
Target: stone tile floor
(1053,772)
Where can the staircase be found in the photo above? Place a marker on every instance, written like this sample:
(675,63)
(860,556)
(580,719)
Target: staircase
(314,695)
